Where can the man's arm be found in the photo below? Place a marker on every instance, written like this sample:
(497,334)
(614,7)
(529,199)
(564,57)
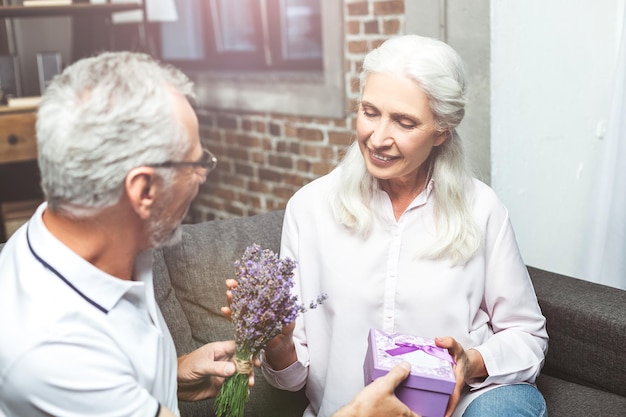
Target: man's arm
(378,399)
(165,412)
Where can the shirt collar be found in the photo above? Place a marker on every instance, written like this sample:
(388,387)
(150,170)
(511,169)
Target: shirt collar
(96,286)
(421,199)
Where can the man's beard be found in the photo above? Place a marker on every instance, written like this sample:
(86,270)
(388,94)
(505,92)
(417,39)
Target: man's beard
(164,231)
(164,235)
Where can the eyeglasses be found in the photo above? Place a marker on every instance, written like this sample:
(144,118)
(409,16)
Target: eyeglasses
(208,161)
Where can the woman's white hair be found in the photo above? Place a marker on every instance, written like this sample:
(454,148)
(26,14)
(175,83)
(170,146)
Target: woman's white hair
(102,117)
(438,71)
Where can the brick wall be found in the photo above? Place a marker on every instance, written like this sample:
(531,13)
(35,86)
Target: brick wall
(264,157)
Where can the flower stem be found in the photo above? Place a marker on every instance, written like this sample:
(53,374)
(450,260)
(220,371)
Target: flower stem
(233,396)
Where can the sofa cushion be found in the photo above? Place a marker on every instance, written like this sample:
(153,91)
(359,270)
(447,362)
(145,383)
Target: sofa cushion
(587,328)
(171,308)
(197,269)
(568,399)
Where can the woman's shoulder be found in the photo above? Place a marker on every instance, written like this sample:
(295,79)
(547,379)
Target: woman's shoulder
(317,190)
(483,195)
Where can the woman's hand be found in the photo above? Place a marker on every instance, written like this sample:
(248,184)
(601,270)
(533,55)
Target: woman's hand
(280,352)
(230,284)
(470,366)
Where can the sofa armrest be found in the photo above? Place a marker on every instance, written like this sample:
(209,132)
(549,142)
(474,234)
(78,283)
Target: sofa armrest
(586,323)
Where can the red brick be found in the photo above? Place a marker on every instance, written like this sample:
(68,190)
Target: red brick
(244,169)
(388,7)
(355,85)
(310,134)
(303,165)
(274,129)
(321,168)
(376,43)
(291,131)
(258,187)
(358,9)
(226,122)
(281,161)
(269,175)
(391,27)
(246,125)
(357,47)
(371,26)
(237,153)
(340,138)
(353,27)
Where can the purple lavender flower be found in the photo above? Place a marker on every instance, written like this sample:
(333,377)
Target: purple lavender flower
(262,304)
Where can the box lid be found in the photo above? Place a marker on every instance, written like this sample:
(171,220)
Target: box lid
(431,366)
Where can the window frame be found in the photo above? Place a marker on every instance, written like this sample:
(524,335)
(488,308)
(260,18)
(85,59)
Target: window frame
(318,93)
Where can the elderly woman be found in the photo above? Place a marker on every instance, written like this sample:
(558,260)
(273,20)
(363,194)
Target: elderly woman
(403,239)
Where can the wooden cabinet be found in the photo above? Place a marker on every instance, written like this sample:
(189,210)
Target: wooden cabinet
(19,176)
(18,142)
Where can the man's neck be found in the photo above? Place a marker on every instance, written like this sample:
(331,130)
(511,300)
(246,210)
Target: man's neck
(108,240)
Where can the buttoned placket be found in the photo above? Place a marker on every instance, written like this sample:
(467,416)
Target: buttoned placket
(393,258)
(391,278)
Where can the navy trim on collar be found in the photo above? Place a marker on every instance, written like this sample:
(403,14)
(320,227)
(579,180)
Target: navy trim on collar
(58,274)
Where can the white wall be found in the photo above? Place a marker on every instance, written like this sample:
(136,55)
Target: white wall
(552,66)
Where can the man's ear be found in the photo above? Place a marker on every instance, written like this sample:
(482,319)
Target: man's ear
(141,188)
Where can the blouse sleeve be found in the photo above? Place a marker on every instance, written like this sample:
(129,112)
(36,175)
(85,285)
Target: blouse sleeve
(516,351)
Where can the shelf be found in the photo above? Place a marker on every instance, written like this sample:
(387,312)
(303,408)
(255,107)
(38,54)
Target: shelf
(69,10)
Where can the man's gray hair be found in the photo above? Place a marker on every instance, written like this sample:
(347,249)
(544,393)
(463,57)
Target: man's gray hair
(100,118)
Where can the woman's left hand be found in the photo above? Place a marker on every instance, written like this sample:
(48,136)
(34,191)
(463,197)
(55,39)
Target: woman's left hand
(470,366)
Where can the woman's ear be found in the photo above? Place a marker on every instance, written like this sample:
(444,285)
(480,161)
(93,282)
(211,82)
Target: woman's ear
(442,137)
(141,188)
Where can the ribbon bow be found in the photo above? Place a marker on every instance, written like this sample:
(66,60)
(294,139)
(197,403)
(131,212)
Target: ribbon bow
(435,351)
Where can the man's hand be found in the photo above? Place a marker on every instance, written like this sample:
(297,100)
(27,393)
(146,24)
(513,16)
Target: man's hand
(378,399)
(202,372)
(469,366)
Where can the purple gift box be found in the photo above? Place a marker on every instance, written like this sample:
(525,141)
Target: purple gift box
(427,389)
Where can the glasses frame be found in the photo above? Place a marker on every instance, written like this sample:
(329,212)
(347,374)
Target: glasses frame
(208,161)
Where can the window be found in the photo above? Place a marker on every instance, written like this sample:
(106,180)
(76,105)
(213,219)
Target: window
(245,35)
(314,91)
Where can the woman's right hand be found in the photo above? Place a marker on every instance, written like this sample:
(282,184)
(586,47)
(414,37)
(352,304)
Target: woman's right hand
(280,351)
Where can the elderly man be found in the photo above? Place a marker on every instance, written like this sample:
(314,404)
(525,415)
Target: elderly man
(81,334)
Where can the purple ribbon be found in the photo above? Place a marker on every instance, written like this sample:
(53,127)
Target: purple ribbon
(435,351)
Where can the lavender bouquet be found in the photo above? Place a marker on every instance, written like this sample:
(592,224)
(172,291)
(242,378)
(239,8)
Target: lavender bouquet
(262,304)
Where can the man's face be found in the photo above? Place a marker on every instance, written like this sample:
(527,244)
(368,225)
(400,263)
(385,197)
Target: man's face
(171,207)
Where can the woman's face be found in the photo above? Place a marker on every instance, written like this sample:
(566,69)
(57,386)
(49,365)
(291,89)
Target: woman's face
(395,128)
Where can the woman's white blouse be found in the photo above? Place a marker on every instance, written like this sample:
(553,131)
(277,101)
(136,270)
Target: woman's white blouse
(378,282)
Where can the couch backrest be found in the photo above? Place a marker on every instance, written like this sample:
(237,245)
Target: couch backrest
(190,289)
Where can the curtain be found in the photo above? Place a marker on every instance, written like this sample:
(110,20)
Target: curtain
(606,237)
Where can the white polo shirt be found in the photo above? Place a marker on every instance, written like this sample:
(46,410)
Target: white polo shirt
(75,341)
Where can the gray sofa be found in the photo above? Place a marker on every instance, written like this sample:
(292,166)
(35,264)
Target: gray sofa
(585,370)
